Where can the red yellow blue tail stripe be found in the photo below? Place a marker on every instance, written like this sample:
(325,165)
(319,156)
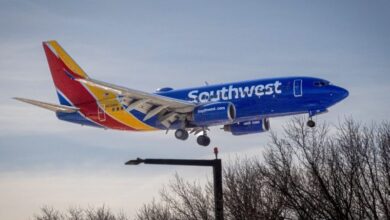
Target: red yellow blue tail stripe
(73,90)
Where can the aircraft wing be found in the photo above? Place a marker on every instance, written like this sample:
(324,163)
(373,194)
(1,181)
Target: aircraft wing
(49,106)
(156,103)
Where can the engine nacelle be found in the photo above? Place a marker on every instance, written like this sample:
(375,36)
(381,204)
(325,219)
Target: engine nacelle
(248,127)
(214,114)
(164,89)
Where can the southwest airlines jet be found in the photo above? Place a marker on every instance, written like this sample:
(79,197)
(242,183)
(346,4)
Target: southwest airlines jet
(240,108)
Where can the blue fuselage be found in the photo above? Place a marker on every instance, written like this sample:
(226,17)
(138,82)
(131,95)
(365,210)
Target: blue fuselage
(252,100)
(272,97)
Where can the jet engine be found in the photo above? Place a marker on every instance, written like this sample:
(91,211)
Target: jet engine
(214,114)
(248,127)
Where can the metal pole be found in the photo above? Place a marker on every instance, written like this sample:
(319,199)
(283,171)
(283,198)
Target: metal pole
(218,192)
(217,174)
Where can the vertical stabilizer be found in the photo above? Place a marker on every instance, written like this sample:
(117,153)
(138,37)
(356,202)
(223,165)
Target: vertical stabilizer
(64,71)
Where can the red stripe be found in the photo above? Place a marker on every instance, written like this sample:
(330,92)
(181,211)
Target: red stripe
(77,93)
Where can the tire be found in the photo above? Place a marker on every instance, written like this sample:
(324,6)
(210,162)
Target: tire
(181,134)
(203,140)
(311,124)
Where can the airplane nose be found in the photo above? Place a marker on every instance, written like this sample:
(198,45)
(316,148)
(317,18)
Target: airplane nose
(340,93)
(344,93)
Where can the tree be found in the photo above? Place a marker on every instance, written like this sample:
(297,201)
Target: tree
(101,213)
(247,195)
(325,172)
(155,211)
(189,201)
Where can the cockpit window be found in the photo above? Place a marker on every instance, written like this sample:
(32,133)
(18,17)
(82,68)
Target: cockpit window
(321,83)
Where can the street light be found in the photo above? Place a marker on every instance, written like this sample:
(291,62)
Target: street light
(217,174)
(134,162)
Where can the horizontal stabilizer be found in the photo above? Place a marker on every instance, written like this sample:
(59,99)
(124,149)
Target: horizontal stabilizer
(51,107)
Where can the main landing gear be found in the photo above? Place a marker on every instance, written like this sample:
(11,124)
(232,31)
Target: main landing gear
(181,134)
(202,140)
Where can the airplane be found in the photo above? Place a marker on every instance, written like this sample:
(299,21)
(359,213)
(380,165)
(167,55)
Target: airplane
(240,108)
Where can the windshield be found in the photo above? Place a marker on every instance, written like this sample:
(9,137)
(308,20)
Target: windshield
(321,83)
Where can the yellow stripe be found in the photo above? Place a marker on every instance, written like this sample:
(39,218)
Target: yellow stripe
(109,99)
(69,62)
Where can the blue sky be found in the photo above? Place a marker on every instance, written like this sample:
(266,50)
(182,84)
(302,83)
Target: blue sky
(150,44)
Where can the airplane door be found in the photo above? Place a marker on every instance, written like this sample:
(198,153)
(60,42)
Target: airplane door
(101,113)
(297,88)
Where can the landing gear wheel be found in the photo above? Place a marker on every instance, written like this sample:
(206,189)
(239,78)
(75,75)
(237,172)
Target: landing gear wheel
(311,123)
(181,134)
(203,140)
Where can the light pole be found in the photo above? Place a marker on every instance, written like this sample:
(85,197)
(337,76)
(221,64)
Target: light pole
(217,173)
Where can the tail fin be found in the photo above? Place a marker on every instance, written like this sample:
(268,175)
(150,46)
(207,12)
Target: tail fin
(64,71)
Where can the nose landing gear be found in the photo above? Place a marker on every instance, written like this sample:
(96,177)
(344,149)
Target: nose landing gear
(310,123)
